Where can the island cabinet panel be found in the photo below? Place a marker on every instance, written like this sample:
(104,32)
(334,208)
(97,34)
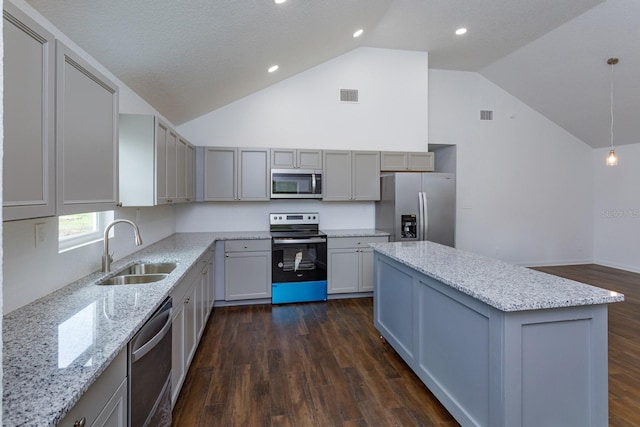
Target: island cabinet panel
(29,118)
(86,136)
(488,367)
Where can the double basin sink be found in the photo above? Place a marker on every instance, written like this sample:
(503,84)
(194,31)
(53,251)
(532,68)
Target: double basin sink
(140,273)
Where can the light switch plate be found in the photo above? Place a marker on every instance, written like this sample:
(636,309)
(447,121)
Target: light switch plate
(41,233)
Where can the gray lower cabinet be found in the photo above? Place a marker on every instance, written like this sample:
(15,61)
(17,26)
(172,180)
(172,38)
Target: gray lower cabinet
(236,174)
(247,269)
(350,264)
(29,118)
(86,136)
(192,303)
(401,161)
(351,175)
(105,403)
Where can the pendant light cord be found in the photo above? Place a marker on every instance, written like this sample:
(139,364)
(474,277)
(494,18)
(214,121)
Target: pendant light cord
(611,106)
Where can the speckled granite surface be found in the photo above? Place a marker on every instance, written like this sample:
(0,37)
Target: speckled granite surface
(354,232)
(502,285)
(48,363)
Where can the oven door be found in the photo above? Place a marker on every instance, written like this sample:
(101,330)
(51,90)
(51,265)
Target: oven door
(299,269)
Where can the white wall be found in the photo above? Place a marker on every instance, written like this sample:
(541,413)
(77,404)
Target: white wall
(524,184)
(304,110)
(617,208)
(31,272)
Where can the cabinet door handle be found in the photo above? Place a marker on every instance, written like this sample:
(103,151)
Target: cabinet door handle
(169,201)
(119,204)
(80,423)
(186,300)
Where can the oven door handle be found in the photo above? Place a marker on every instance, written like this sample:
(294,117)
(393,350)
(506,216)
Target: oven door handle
(293,241)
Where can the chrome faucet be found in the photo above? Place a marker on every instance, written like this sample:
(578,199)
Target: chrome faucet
(107,257)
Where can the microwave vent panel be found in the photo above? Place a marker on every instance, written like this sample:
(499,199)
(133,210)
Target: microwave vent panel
(349,95)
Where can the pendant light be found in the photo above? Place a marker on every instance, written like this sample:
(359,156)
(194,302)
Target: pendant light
(612,158)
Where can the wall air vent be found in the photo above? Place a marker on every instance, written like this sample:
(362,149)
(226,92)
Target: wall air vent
(486,115)
(349,95)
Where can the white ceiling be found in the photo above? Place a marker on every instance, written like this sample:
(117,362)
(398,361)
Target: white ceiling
(189,57)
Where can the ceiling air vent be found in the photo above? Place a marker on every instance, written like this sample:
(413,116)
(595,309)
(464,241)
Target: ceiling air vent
(486,115)
(349,95)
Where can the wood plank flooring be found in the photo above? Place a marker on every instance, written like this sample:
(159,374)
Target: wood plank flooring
(322,364)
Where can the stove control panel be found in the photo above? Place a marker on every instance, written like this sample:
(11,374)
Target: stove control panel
(294,218)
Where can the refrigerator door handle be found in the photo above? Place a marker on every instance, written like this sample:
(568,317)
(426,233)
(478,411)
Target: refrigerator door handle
(425,216)
(421,213)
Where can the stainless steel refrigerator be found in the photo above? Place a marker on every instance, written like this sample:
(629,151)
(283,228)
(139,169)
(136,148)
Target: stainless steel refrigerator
(418,206)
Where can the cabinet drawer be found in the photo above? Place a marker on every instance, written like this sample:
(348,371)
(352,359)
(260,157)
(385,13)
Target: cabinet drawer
(354,242)
(247,245)
(94,399)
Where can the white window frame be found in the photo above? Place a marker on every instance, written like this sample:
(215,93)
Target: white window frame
(83,239)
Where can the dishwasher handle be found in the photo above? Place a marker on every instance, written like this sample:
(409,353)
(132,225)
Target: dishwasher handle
(138,352)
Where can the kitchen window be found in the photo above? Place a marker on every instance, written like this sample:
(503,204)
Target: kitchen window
(81,229)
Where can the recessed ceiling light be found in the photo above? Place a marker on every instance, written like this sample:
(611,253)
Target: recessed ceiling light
(273,68)
(461,31)
(279,1)
(358,33)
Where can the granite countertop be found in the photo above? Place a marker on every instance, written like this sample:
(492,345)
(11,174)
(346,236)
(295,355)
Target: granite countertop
(355,232)
(48,364)
(497,283)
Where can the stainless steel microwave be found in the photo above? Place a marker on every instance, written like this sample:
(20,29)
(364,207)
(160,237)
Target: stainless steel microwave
(296,183)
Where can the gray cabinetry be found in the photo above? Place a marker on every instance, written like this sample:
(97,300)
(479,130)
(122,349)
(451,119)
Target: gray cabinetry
(190,172)
(234,174)
(400,161)
(247,269)
(191,309)
(86,136)
(351,175)
(29,114)
(350,264)
(291,158)
(156,164)
(537,367)
(105,402)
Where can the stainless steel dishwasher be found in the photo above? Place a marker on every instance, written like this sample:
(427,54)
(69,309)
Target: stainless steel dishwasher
(150,371)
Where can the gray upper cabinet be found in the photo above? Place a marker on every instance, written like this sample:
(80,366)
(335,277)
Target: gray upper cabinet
(86,136)
(400,161)
(29,114)
(235,174)
(290,158)
(190,172)
(156,164)
(351,175)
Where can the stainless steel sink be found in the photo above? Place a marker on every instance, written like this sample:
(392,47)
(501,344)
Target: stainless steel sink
(148,268)
(132,279)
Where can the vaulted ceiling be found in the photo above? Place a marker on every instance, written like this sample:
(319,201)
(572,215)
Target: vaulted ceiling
(189,57)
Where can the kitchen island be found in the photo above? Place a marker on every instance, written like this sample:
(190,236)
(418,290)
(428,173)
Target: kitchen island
(497,344)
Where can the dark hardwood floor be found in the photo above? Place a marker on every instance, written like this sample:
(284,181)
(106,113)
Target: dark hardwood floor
(322,364)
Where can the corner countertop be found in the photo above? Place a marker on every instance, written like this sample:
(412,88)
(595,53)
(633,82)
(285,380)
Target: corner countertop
(355,232)
(497,283)
(47,364)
